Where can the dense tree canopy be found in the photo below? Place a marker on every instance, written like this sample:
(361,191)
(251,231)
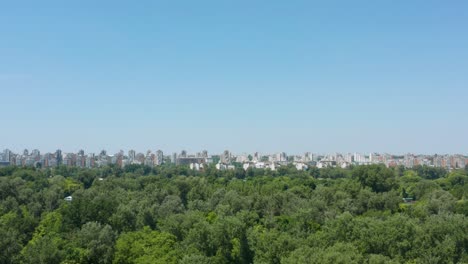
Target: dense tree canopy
(171,214)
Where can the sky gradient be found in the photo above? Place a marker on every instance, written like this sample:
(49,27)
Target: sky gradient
(267,76)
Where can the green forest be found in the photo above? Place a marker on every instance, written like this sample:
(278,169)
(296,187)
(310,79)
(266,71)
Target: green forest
(171,214)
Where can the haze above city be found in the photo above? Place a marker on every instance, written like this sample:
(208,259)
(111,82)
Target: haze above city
(247,76)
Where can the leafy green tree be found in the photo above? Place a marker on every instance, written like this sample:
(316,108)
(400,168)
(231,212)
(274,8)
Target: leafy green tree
(270,246)
(380,259)
(94,243)
(47,249)
(377,177)
(333,173)
(90,205)
(461,207)
(440,201)
(46,245)
(125,217)
(10,245)
(195,259)
(146,246)
(440,239)
(430,173)
(340,253)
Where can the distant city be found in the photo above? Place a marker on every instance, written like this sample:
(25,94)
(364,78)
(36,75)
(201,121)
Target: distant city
(226,160)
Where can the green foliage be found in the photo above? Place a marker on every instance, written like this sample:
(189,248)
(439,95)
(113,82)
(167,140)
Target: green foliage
(46,243)
(170,214)
(333,173)
(10,244)
(146,246)
(45,249)
(430,173)
(269,246)
(340,253)
(94,243)
(377,177)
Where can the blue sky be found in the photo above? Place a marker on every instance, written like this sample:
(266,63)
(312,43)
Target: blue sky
(294,76)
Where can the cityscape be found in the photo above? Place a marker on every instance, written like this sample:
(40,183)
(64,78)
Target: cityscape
(233,132)
(226,160)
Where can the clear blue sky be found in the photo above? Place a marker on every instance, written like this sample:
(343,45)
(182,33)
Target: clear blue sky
(320,76)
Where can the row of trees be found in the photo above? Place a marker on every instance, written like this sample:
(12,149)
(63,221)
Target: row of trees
(170,214)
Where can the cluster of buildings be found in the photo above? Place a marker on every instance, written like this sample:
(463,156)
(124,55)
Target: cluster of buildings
(226,160)
(79,159)
(449,162)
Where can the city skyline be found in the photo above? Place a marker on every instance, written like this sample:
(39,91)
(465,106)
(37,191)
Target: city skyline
(194,151)
(262,76)
(226,159)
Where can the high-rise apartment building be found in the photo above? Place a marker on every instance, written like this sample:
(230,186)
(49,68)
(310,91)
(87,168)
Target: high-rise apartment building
(132,154)
(226,157)
(159,157)
(7,155)
(59,157)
